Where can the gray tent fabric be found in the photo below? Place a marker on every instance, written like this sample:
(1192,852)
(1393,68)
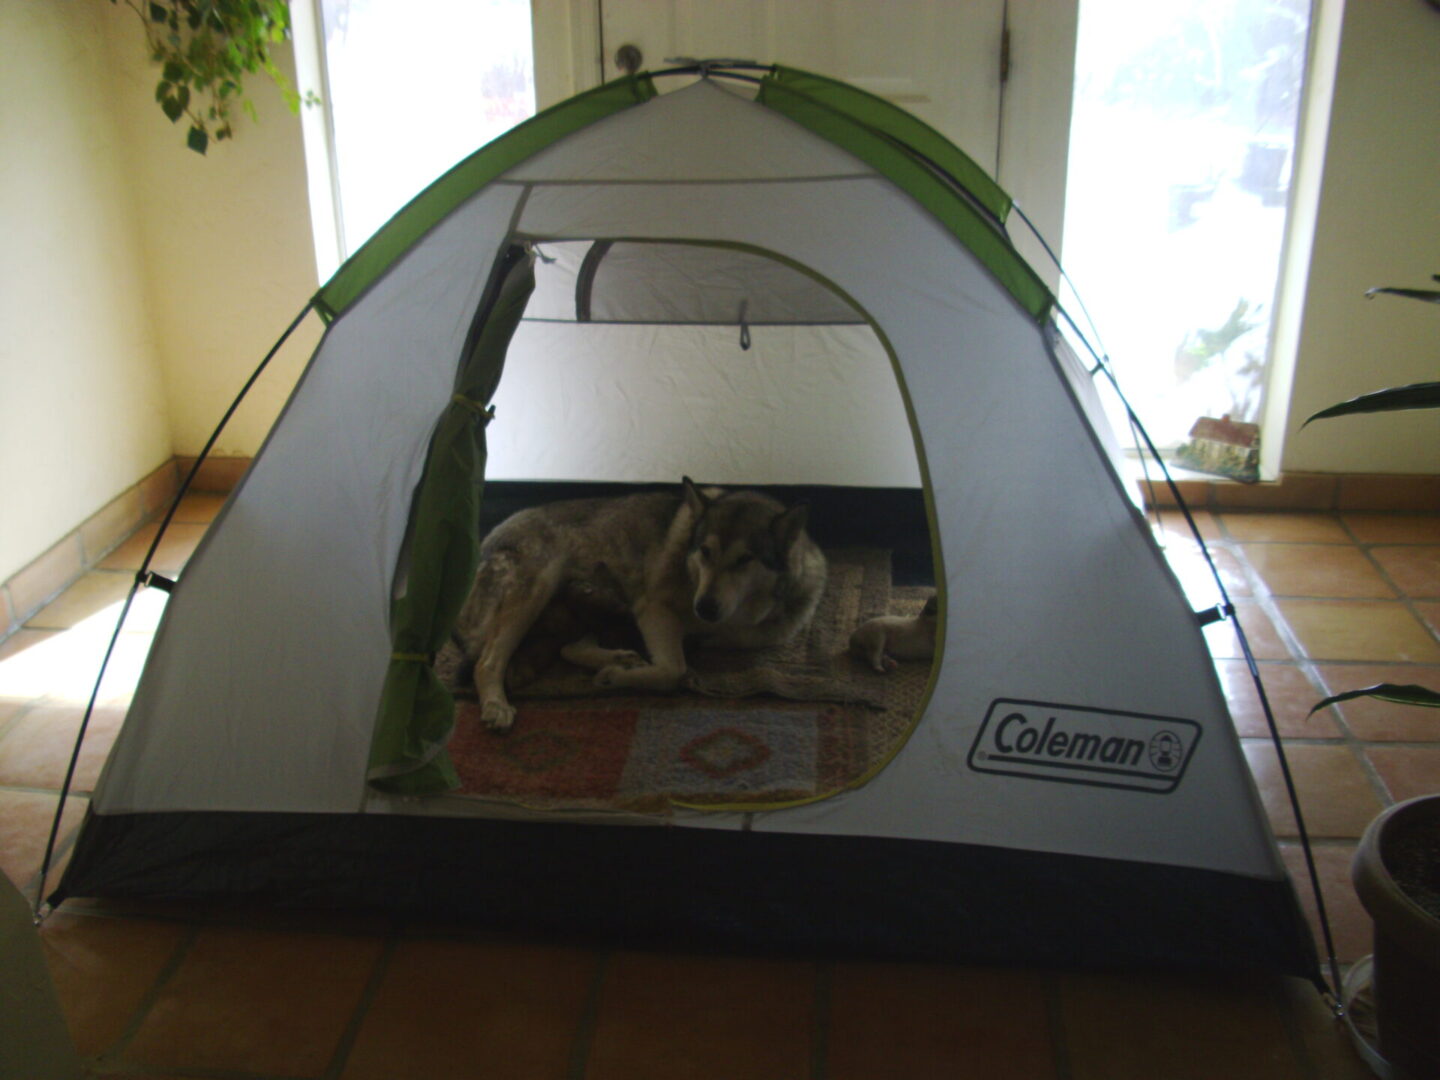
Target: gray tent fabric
(1074,713)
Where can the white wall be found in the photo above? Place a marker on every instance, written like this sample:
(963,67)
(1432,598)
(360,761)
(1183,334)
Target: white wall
(1378,223)
(83,414)
(227,245)
(142,283)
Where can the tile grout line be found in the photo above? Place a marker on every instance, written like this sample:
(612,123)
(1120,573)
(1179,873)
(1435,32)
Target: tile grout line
(584,1039)
(111,1056)
(1356,744)
(346,1044)
(1276,997)
(1406,600)
(1265,599)
(1055,1025)
(820,1026)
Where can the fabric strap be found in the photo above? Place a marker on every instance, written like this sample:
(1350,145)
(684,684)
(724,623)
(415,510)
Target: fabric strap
(407,755)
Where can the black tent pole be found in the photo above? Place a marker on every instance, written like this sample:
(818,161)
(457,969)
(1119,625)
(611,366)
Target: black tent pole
(144,577)
(1225,610)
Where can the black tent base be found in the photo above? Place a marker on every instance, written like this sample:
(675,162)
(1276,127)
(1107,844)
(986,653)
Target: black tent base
(708,889)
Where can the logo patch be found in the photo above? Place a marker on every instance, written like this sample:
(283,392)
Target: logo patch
(1072,744)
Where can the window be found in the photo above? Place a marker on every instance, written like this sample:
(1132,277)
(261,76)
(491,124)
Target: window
(1183,134)
(413,87)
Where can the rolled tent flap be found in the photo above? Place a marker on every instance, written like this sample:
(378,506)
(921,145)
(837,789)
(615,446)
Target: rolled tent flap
(667,283)
(416,711)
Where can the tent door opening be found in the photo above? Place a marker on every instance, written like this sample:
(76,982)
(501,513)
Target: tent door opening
(673,329)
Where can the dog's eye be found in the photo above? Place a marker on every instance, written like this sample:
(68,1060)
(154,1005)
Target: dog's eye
(705,552)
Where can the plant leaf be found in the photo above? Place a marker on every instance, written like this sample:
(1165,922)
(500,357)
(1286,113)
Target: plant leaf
(197,140)
(1407,694)
(159,14)
(1424,395)
(1429,295)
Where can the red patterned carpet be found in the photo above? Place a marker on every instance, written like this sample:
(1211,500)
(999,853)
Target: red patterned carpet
(757,728)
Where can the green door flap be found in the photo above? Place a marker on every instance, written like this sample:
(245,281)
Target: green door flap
(416,715)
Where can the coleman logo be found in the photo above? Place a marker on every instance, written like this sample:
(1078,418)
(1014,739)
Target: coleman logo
(1077,745)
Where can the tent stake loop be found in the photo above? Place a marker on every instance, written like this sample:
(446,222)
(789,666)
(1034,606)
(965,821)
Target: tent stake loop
(1218,613)
(149,579)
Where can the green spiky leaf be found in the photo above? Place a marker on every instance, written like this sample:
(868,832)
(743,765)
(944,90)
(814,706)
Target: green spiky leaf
(1400,694)
(1430,296)
(1424,395)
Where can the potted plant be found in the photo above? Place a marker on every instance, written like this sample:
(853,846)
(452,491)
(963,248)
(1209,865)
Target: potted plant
(205,49)
(1396,870)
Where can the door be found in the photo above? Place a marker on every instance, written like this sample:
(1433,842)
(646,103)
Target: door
(935,58)
(994,76)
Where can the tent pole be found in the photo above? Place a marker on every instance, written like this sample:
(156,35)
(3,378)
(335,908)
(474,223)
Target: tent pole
(143,574)
(1332,991)
(144,577)
(1103,364)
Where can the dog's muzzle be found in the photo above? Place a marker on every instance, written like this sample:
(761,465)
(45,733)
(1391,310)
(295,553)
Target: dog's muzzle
(708,608)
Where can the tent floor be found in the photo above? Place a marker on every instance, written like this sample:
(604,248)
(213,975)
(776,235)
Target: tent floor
(708,889)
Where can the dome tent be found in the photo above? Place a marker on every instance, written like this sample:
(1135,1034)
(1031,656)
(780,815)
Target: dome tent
(1071,791)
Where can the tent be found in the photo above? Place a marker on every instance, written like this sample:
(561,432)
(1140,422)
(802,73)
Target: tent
(1070,790)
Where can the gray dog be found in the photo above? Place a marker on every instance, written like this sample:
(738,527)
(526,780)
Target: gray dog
(732,568)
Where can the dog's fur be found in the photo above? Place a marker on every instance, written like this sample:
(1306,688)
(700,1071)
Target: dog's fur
(733,568)
(892,638)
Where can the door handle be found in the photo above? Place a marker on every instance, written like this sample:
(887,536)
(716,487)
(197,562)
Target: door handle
(628,59)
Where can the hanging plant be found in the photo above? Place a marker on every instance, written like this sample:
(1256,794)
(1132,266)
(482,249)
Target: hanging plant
(205,49)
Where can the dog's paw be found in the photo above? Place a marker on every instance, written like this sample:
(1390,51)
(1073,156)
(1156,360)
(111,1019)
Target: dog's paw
(497,716)
(627,658)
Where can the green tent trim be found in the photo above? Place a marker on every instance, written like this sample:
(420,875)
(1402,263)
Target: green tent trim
(445,195)
(416,712)
(904,149)
(908,130)
(913,173)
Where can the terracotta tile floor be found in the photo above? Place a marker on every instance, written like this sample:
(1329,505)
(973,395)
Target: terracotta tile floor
(1328,601)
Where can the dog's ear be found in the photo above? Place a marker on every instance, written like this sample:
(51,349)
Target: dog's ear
(694,498)
(787,526)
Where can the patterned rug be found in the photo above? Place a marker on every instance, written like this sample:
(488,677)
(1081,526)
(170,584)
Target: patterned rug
(752,728)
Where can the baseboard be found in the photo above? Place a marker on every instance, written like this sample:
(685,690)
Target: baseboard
(36,584)
(1294,491)
(44,578)
(1332,492)
(217,475)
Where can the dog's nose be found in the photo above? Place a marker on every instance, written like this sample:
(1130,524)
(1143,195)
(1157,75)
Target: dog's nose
(708,608)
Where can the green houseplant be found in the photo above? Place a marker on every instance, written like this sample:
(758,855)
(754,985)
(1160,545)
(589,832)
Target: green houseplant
(205,49)
(1396,870)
